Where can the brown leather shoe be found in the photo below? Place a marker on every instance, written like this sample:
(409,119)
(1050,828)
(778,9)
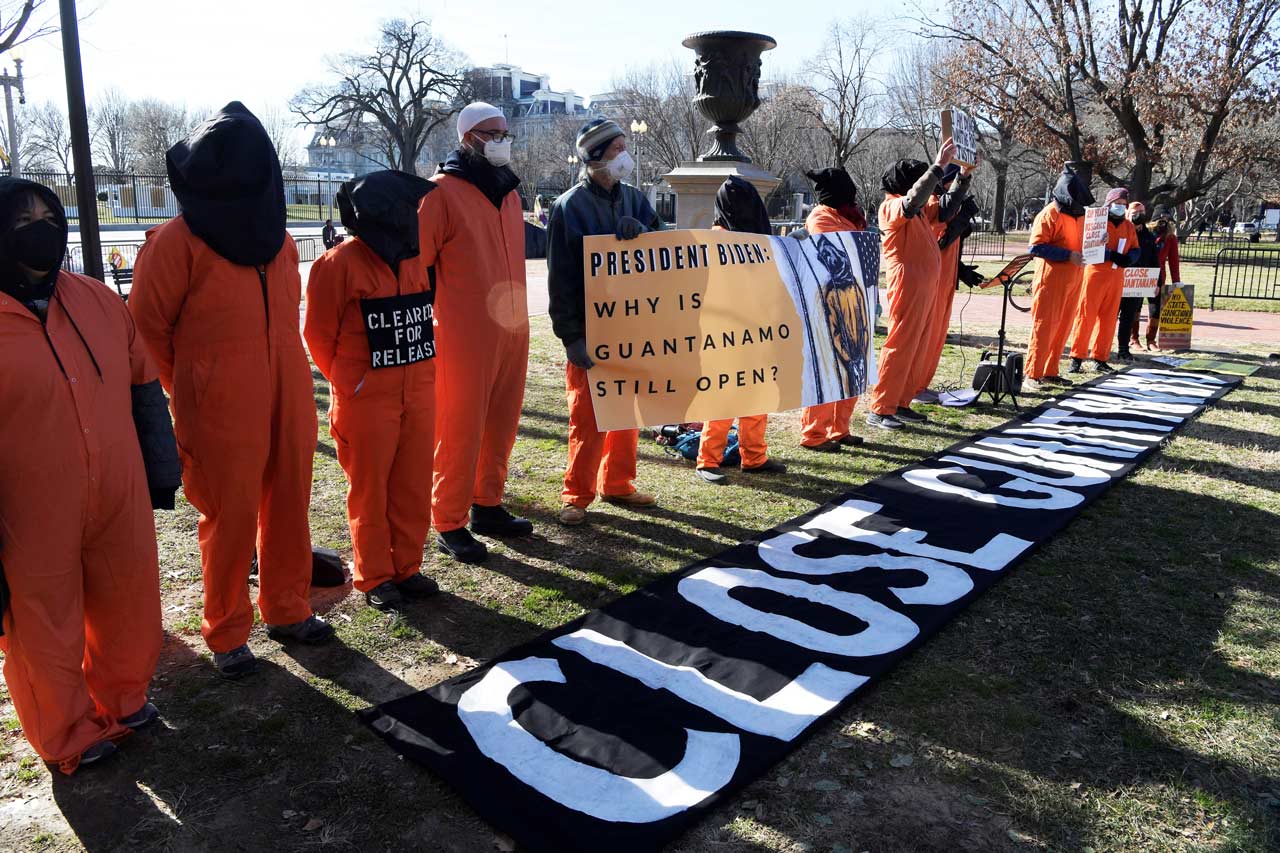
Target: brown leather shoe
(635,499)
(572,516)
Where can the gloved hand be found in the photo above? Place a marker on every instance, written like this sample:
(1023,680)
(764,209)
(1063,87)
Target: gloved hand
(799,234)
(1120,259)
(969,275)
(629,228)
(576,351)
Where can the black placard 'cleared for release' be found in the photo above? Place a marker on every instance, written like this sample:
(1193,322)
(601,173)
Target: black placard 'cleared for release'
(400,329)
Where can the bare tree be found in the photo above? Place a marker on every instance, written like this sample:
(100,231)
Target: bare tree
(155,127)
(280,127)
(21,21)
(410,84)
(50,136)
(662,97)
(917,94)
(848,95)
(112,136)
(28,156)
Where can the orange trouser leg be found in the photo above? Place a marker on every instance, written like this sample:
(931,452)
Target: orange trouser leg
(1087,317)
(480,385)
(1108,318)
(594,456)
(751,440)
(82,632)
(910,317)
(1053,310)
(931,355)
(386,451)
(715,436)
(826,422)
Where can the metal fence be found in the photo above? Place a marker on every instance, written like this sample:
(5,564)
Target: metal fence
(984,244)
(121,254)
(1247,271)
(142,198)
(1204,250)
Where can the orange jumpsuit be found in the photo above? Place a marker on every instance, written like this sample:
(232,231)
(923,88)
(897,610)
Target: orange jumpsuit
(382,420)
(1098,312)
(911,262)
(77,538)
(826,421)
(483,338)
(931,354)
(1055,290)
(600,463)
(226,340)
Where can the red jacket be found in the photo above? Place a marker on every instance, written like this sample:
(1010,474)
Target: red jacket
(1167,247)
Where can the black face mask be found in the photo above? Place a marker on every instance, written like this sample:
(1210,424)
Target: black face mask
(38,245)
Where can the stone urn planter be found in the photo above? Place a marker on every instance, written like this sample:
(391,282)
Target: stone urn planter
(727,75)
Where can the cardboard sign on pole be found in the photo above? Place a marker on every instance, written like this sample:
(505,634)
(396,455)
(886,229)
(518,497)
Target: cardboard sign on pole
(963,131)
(1141,281)
(1094,245)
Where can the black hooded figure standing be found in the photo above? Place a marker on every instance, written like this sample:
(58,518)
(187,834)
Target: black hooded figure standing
(215,296)
(86,453)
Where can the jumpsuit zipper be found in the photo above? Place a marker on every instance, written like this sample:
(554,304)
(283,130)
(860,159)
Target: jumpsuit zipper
(266,311)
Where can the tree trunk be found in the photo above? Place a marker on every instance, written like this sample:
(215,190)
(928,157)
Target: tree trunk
(997,207)
(1140,180)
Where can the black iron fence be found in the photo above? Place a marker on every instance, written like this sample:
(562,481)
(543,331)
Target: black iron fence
(1204,249)
(984,244)
(121,254)
(1246,271)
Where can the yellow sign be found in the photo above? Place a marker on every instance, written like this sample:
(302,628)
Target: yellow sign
(1175,320)
(701,325)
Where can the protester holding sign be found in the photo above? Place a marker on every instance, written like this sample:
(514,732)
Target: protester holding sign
(472,232)
(370,331)
(1097,312)
(825,427)
(86,451)
(215,296)
(955,210)
(1131,306)
(1056,239)
(912,262)
(1166,259)
(599,462)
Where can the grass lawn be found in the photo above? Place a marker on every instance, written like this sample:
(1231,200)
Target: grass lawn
(1118,691)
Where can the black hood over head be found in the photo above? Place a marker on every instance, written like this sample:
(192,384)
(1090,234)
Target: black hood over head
(226,176)
(381,209)
(14,194)
(833,187)
(949,175)
(902,176)
(496,182)
(1072,194)
(740,208)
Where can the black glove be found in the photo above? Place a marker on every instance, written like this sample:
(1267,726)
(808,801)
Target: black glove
(576,351)
(1120,259)
(969,275)
(629,228)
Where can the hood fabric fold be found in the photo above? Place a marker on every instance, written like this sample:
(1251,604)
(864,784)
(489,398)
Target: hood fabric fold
(381,209)
(902,176)
(740,208)
(14,193)
(1072,194)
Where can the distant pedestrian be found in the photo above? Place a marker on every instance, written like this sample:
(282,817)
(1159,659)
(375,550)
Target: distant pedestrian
(329,235)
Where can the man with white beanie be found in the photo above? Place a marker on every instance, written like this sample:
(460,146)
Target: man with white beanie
(599,462)
(472,233)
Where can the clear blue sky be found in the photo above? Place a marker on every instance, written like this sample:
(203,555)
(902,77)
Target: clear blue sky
(207,52)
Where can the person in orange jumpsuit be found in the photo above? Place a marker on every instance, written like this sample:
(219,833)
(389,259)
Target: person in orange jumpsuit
(951,193)
(1098,312)
(738,207)
(825,427)
(911,264)
(369,329)
(472,232)
(215,296)
(86,452)
(599,462)
(1057,236)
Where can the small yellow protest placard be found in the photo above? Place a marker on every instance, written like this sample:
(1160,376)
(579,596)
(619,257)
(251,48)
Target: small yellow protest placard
(1176,319)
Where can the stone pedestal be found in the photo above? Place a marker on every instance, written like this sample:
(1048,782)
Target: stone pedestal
(695,184)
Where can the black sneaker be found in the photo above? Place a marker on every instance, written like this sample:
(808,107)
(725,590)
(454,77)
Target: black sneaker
(384,596)
(825,447)
(769,466)
(1103,367)
(96,754)
(462,546)
(1057,380)
(418,586)
(884,421)
(141,718)
(1077,365)
(235,663)
(714,476)
(850,440)
(1125,358)
(496,521)
(310,631)
(910,415)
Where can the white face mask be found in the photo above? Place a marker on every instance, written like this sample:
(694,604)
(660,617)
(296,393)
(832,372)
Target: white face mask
(497,153)
(1117,210)
(621,167)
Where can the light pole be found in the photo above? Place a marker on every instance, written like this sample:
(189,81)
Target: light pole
(330,143)
(82,156)
(573,161)
(11,82)
(639,129)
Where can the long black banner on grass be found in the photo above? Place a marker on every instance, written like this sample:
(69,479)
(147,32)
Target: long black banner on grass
(618,730)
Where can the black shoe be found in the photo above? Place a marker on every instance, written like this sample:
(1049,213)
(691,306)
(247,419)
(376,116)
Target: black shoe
(98,753)
(384,596)
(825,447)
(884,421)
(1103,367)
(1057,380)
(769,466)
(462,546)
(141,718)
(496,521)
(235,663)
(910,415)
(311,631)
(1124,358)
(850,440)
(714,476)
(418,586)
(1076,365)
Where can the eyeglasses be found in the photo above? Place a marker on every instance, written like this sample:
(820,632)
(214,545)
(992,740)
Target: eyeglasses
(495,135)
